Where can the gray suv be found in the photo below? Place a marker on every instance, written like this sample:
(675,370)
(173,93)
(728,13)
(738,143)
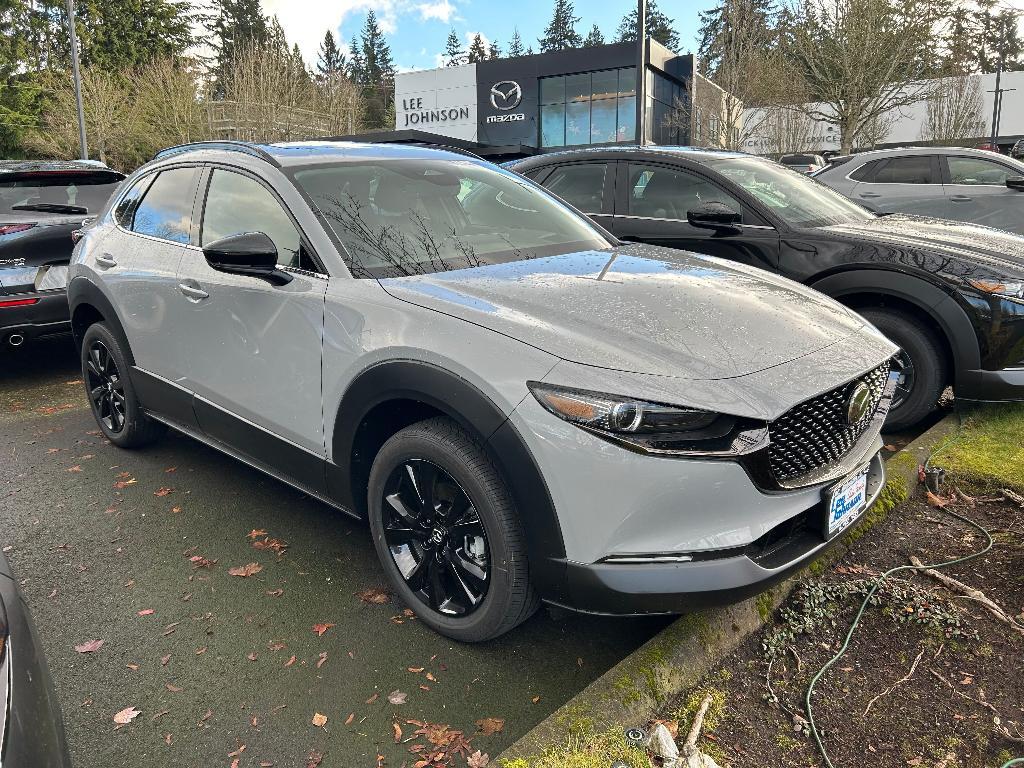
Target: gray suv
(523,407)
(957,183)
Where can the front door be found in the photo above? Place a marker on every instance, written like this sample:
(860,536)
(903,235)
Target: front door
(652,201)
(588,186)
(255,347)
(902,184)
(976,192)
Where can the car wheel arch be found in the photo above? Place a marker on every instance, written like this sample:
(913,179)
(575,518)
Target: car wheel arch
(886,288)
(89,305)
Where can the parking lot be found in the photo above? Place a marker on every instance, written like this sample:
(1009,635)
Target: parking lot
(135,549)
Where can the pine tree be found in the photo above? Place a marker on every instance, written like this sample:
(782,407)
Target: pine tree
(493,51)
(529,51)
(235,23)
(659,26)
(561,32)
(330,60)
(515,45)
(594,37)
(719,25)
(453,52)
(356,67)
(378,75)
(477,50)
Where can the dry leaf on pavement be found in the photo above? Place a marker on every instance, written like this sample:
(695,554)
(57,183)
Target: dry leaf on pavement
(490,725)
(126,715)
(314,759)
(397,697)
(319,720)
(245,570)
(165,491)
(374,596)
(478,760)
(90,646)
(319,629)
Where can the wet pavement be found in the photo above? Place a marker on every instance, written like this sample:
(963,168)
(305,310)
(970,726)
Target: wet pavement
(227,667)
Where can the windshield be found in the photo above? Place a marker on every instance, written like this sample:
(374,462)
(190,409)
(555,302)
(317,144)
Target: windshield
(795,198)
(415,217)
(79,190)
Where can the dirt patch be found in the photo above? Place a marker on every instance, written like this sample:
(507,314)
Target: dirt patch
(931,677)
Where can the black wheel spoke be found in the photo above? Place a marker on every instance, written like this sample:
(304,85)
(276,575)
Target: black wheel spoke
(467,567)
(409,518)
(436,591)
(417,576)
(396,537)
(424,476)
(96,394)
(105,387)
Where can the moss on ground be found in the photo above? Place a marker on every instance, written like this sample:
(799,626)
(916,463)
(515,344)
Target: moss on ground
(590,750)
(989,450)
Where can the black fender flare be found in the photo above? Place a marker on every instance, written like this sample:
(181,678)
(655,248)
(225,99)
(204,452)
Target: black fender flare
(949,316)
(457,398)
(81,292)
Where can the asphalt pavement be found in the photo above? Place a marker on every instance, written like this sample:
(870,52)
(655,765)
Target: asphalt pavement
(134,548)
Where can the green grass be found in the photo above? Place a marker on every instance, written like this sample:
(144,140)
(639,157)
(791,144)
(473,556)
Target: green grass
(587,751)
(989,451)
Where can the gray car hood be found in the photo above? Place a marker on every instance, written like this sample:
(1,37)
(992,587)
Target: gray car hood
(641,309)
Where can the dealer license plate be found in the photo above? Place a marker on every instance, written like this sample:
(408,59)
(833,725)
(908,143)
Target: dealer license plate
(846,502)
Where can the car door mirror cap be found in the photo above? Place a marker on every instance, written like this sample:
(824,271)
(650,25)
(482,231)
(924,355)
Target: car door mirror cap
(1015,183)
(248,253)
(714,215)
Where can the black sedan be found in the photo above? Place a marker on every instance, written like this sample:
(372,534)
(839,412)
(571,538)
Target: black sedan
(41,205)
(31,731)
(950,294)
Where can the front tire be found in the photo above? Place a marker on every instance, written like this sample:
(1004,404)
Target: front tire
(924,371)
(115,406)
(447,533)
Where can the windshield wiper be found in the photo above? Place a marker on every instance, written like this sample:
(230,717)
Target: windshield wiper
(50,208)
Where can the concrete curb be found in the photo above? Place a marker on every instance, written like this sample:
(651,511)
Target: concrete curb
(678,657)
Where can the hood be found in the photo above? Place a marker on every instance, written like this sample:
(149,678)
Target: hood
(640,309)
(982,245)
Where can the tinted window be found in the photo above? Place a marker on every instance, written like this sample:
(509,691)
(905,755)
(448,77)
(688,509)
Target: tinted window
(126,205)
(975,170)
(413,217)
(166,209)
(916,169)
(663,193)
(867,171)
(237,204)
(581,185)
(81,190)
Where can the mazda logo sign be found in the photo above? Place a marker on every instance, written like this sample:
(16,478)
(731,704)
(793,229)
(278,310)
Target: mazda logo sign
(858,404)
(506,95)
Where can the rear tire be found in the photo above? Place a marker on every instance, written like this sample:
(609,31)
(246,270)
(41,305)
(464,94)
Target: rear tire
(437,505)
(918,396)
(108,387)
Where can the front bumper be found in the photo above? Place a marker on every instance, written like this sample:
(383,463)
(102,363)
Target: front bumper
(1006,385)
(725,576)
(47,316)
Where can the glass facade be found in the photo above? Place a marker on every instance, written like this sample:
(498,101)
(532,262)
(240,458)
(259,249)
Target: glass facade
(668,110)
(588,108)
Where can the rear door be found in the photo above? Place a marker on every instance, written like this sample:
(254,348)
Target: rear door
(587,186)
(651,203)
(902,184)
(976,192)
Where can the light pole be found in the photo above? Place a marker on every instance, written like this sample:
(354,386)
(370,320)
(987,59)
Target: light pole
(641,70)
(78,79)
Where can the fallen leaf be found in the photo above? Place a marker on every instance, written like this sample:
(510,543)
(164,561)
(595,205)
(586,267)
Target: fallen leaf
(275,545)
(490,725)
(167,739)
(398,731)
(163,492)
(146,612)
(416,670)
(133,667)
(126,715)
(322,660)
(290,661)
(160,714)
(314,759)
(164,660)
(238,751)
(89,647)
(373,698)
(397,697)
(275,592)
(251,656)
(175,510)
(350,718)
(234,763)
(202,562)
(200,651)
(76,468)
(319,629)
(120,484)
(319,720)
(255,533)
(374,596)
(245,570)
(478,760)
(535,699)
(276,645)
(934,500)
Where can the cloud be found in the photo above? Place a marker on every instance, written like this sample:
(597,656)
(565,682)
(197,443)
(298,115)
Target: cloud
(306,21)
(442,10)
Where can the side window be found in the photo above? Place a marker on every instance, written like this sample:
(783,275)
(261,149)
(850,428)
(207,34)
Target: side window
(915,169)
(237,204)
(126,205)
(580,185)
(166,209)
(976,170)
(867,171)
(663,193)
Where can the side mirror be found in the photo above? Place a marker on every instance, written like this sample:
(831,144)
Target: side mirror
(713,215)
(1015,182)
(250,253)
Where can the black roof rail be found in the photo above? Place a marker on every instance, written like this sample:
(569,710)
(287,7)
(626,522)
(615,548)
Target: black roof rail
(227,146)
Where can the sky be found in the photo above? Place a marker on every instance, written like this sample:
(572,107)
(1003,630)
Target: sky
(417,29)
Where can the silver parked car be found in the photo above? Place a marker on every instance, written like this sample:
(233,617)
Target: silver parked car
(970,185)
(523,407)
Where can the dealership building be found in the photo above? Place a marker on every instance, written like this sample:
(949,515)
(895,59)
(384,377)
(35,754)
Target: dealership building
(513,107)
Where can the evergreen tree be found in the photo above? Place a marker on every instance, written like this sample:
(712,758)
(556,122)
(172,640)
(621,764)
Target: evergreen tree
(515,45)
(594,37)
(453,50)
(356,67)
(529,51)
(330,60)
(493,51)
(235,23)
(378,75)
(561,32)
(659,26)
(477,50)
(19,95)
(719,25)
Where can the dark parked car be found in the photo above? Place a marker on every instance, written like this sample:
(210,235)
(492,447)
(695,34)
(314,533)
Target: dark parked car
(1017,151)
(41,206)
(802,162)
(31,731)
(951,295)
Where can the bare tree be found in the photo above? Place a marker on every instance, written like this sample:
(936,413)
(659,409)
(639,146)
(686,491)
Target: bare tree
(167,92)
(784,129)
(953,110)
(862,59)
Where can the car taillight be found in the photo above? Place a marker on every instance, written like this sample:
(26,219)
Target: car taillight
(18,303)
(10,229)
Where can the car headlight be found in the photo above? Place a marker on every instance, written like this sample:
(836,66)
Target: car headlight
(1012,289)
(651,427)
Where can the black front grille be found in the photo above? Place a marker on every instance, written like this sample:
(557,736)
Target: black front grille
(816,433)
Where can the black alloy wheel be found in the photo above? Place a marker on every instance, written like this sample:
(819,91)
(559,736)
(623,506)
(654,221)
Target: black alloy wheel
(905,383)
(436,538)
(106,387)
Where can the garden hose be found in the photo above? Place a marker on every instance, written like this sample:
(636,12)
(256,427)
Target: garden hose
(874,588)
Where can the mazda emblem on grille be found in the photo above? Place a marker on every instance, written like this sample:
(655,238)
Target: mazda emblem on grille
(858,404)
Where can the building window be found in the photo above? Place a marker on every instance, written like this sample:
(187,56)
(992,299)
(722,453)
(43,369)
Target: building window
(668,110)
(588,108)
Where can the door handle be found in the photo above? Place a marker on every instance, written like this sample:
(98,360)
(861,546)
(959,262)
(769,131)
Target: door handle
(869,194)
(196,294)
(960,198)
(106,260)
